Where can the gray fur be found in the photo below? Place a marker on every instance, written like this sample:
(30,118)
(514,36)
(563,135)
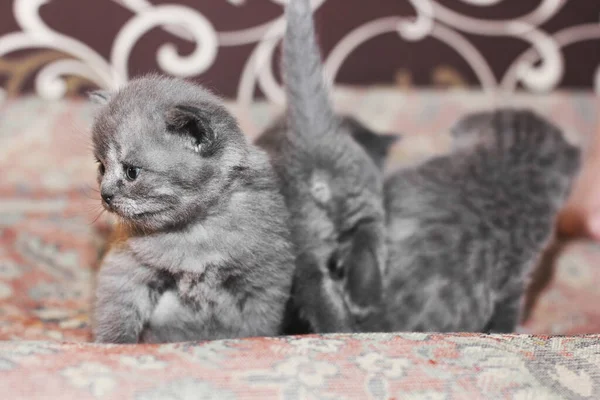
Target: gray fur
(204,250)
(333,189)
(100,97)
(377,145)
(466,229)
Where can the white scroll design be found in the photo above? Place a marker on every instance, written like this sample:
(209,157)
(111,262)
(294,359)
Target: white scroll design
(540,68)
(109,74)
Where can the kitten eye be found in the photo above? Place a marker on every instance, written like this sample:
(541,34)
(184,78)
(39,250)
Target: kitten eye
(132,173)
(336,270)
(101,168)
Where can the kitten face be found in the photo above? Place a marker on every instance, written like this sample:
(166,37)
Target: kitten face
(164,155)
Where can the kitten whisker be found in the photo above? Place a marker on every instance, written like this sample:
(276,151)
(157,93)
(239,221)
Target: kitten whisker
(98,216)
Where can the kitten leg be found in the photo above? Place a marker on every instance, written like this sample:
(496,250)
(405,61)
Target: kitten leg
(318,299)
(293,322)
(507,315)
(125,298)
(364,286)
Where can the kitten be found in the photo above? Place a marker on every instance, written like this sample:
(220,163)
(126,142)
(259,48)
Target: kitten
(206,252)
(466,229)
(333,189)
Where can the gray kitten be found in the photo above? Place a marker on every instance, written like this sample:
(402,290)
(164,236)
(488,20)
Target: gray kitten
(205,250)
(333,189)
(466,229)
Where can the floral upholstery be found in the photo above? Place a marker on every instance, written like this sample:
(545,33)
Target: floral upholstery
(378,366)
(52,234)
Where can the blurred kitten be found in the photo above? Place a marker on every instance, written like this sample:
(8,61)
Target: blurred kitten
(205,250)
(466,229)
(333,189)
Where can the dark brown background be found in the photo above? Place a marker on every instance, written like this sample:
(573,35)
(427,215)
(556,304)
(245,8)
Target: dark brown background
(385,59)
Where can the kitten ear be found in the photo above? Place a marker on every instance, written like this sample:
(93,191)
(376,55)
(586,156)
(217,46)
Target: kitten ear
(387,141)
(472,129)
(100,96)
(192,122)
(377,146)
(473,124)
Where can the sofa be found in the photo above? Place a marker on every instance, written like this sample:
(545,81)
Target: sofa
(52,234)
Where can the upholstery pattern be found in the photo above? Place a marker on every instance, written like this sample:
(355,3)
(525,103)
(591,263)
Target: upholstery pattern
(377,366)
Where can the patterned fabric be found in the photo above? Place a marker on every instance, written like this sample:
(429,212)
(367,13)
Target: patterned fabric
(51,236)
(378,366)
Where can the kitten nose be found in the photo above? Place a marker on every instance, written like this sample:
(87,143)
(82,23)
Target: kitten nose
(107,197)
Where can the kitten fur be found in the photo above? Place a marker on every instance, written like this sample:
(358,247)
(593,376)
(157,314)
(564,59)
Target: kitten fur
(466,229)
(333,189)
(205,249)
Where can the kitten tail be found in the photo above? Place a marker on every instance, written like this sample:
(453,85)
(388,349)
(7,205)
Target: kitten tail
(309,108)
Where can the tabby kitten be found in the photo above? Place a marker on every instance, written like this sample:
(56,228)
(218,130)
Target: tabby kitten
(333,189)
(205,249)
(466,229)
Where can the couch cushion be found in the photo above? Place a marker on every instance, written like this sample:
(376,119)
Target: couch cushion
(376,366)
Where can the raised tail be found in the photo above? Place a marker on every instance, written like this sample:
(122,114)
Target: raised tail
(309,108)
